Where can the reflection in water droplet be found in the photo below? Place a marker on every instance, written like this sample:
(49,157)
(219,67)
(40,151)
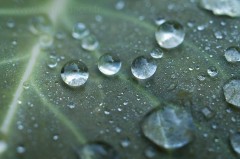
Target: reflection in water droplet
(98,150)
(170,34)
(90,43)
(74,73)
(222,7)
(3,146)
(235,142)
(143,67)
(157,53)
(232,54)
(212,71)
(40,24)
(232,92)
(170,127)
(109,64)
(80,31)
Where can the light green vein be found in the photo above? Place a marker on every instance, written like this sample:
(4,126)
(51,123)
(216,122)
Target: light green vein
(68,124)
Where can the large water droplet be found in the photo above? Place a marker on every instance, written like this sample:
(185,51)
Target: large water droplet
(74,73)
(98,150)
(109,64)
(232,92)
(222,7)
(170,34)
(156,53)
(90,43)
(143,67)
(235,142)
(80,31)
(170,127)
(232,54)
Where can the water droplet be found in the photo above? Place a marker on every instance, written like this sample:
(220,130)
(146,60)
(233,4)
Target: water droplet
(201,77)
(120,5)
(150,152)
(3,146)
(53,62)
(21,149)
(74,73)
(11,23)
(80,31)
(170,34)
(109,64)
(55,137)
(143,67)
(232,92)
(170,127)
(40,24)
(156,53)
(26,85)
(207,113)
(71,105)
(46,41)
(235,142)
(125,143)
(222,7)
(98,150)
(218,35)
(212,71)
(160,21)
(232,54)
(90,43)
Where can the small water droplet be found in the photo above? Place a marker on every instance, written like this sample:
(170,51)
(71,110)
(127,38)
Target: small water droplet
(71,105)
(212,71)
(53,62)
(232,54)
(201,77)
(170,128)
(21,149)
(170,34)
(232,92)
(75,73)
(80,31)
(26,85)
(120,5)
(46,41)
(160,21)
(235,142)
(150,152)
(207,113)
(218,35)
(98,150)
(90,43)
(157,53)
(11,23)
(143,67)
(125,143)
(55,137)
(109,64)
(222,7)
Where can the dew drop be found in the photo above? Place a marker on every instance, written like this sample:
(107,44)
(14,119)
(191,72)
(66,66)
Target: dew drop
(160,21)
(98,150)
(201,77)
(90,43)
(53,62)
(235,142)
(232,54)
(170,127)
(150,152)
(120,5)
(170,34)
(55,137)
(222,7)
(232,92)
(75,73)
(143,67)
(11,23)
(207,113)
(109,64)
(156,53)
(80,31)
(21,149)
(125,143)
(212,71)
(40,24)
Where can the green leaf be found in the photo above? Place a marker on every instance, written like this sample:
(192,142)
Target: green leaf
(34,100)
